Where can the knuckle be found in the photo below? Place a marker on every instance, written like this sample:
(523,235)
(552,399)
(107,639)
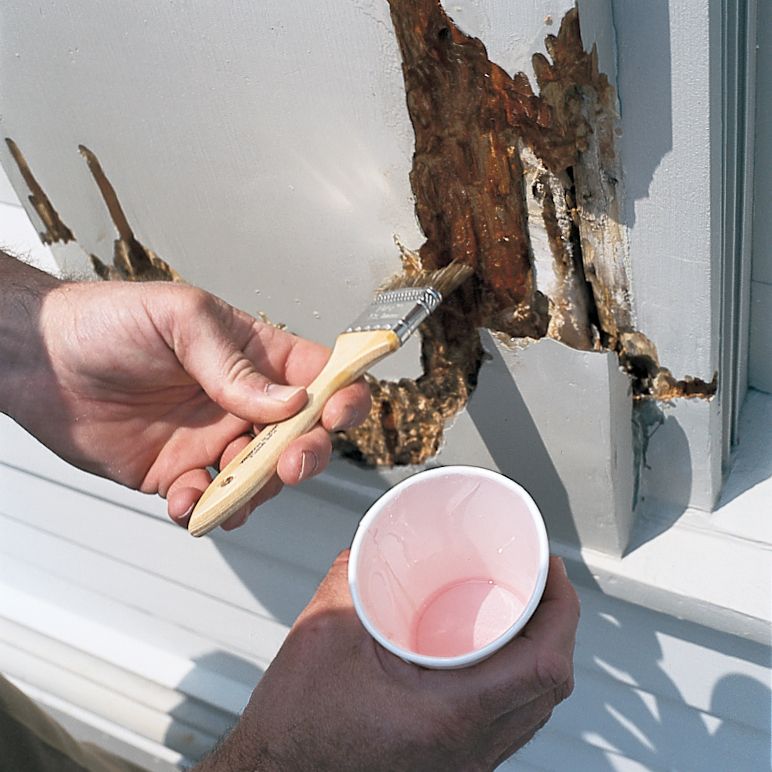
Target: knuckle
(235,371)
(314,630)
(553,670)
(199,301)
(238,367)
(491,701)
(322,625)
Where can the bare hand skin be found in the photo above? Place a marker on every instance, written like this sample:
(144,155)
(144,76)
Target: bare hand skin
(333,699)
(149,384)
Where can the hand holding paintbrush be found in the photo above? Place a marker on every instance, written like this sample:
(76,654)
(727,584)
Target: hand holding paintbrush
(397,310)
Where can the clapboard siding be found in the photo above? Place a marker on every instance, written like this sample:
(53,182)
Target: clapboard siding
(165,551)
(165,635)
(158,596)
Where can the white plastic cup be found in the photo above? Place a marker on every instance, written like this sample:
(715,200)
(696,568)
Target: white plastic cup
(449,565)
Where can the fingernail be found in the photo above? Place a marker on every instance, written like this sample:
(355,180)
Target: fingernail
(308,464)
(281,393)
(181,517)
(346,420)
(562,565)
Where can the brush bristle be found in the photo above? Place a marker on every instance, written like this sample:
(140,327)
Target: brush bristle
(444,280)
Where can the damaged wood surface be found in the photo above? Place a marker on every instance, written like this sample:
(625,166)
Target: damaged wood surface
(650,380)
(481,137)
(132,261)
(579,148)
(493,159)
(466,177)
(407,419)
(53,228)
(473,125)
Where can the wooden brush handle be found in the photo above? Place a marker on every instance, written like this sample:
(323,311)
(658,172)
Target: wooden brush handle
(250,470)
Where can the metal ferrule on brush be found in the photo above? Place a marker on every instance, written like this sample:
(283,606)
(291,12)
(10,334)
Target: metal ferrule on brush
(401,311)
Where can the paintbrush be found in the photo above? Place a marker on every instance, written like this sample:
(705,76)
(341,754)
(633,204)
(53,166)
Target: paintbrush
(395,313)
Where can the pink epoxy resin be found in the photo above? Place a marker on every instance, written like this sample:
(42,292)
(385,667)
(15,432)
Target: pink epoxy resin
(449,565)
(464,617)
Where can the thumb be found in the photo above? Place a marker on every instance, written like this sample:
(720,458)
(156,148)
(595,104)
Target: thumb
(333,592)
(209,351)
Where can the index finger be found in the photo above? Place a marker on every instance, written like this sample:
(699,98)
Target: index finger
(557,616)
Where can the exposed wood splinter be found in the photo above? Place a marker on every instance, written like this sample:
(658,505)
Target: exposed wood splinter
(53,228)
(132,261)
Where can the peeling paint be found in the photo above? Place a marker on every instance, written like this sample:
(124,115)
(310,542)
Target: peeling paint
(571,306)
(579,148)
(466,177)
(476,129)
(132,261)
(54,229)
(651,381)
(497,168)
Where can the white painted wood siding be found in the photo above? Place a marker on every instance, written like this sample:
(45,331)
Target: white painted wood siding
(760,365)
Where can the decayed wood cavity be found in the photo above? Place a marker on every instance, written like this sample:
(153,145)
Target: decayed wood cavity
(492,160)
(53,227)
(407,419)
(473,125)
(467,177)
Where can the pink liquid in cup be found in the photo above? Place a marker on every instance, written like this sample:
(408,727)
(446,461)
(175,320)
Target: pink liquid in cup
(449,565)
(464,617)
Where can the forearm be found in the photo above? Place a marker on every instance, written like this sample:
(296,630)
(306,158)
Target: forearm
(22,290)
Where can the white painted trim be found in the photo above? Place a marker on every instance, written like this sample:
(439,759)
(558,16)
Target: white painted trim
(760,366)
(738,24)
(147,661)
(279,535)
(119,733)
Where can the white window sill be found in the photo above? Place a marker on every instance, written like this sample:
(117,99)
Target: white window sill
(708,568)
